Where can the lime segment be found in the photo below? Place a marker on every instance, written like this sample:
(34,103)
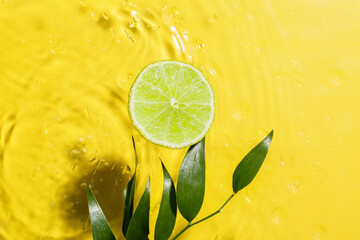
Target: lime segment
(171,104)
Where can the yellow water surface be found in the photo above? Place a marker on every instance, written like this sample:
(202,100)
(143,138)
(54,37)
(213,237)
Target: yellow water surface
(66,68)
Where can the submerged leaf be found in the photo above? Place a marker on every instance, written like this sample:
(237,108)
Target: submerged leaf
(167,212)
(191,181)
(99,225)
(247,169)
(139,224)
(128,200)
(128,197)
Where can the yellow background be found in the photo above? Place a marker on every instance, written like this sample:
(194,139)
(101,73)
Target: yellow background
(293,66)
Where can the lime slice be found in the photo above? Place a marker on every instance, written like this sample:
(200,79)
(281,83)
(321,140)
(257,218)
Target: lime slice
(171,104)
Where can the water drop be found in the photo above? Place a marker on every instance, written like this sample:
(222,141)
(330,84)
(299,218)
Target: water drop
(75,153)
(75,167)
(113,166)
(83,3)
(200,46)
(129,36)
(132,22)
(337,77)
(213,19)
(83,185)
(278,215)
(6,132)
(319,232)
(294,186)
(176,13)
(126,170)
(94,15)
(105,16)
(237,115)
(46,128)
(252,16)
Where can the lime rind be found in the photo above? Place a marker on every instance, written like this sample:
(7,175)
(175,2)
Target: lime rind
(194,86)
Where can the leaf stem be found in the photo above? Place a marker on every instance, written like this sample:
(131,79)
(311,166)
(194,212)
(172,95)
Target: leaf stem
(203,219)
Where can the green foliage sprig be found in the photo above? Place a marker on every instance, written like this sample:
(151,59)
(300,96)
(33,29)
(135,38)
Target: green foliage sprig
(188,197)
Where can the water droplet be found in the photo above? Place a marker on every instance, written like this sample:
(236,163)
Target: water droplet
(294,185)
(213,19)
(6,132)
(83,3)
(46,128)
(278,215)
(129,36)
(132,22)
(106,16)
(319,232)
(76,153)
(176,13)
(83,185)
(237,115)
(75,167)
(252,16)
(200,46)
(337,77)
(126,170)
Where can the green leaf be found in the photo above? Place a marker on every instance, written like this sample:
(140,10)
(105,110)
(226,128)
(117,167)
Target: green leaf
(128,197)
(128,200)
(167,212)
(191,181)
(99,225)
(139,224)
(247,169)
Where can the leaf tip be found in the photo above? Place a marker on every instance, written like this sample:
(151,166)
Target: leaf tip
(271,133)
(133,141)
(134,146)
(89,192)
(247,169)
(268,139)
(162,164)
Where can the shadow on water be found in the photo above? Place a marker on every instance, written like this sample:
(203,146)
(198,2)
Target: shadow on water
(107,177)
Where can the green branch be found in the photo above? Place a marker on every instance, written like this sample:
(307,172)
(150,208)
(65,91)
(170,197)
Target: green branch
(203,219)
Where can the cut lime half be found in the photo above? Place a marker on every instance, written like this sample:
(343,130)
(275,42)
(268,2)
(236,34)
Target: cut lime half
(171,104)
